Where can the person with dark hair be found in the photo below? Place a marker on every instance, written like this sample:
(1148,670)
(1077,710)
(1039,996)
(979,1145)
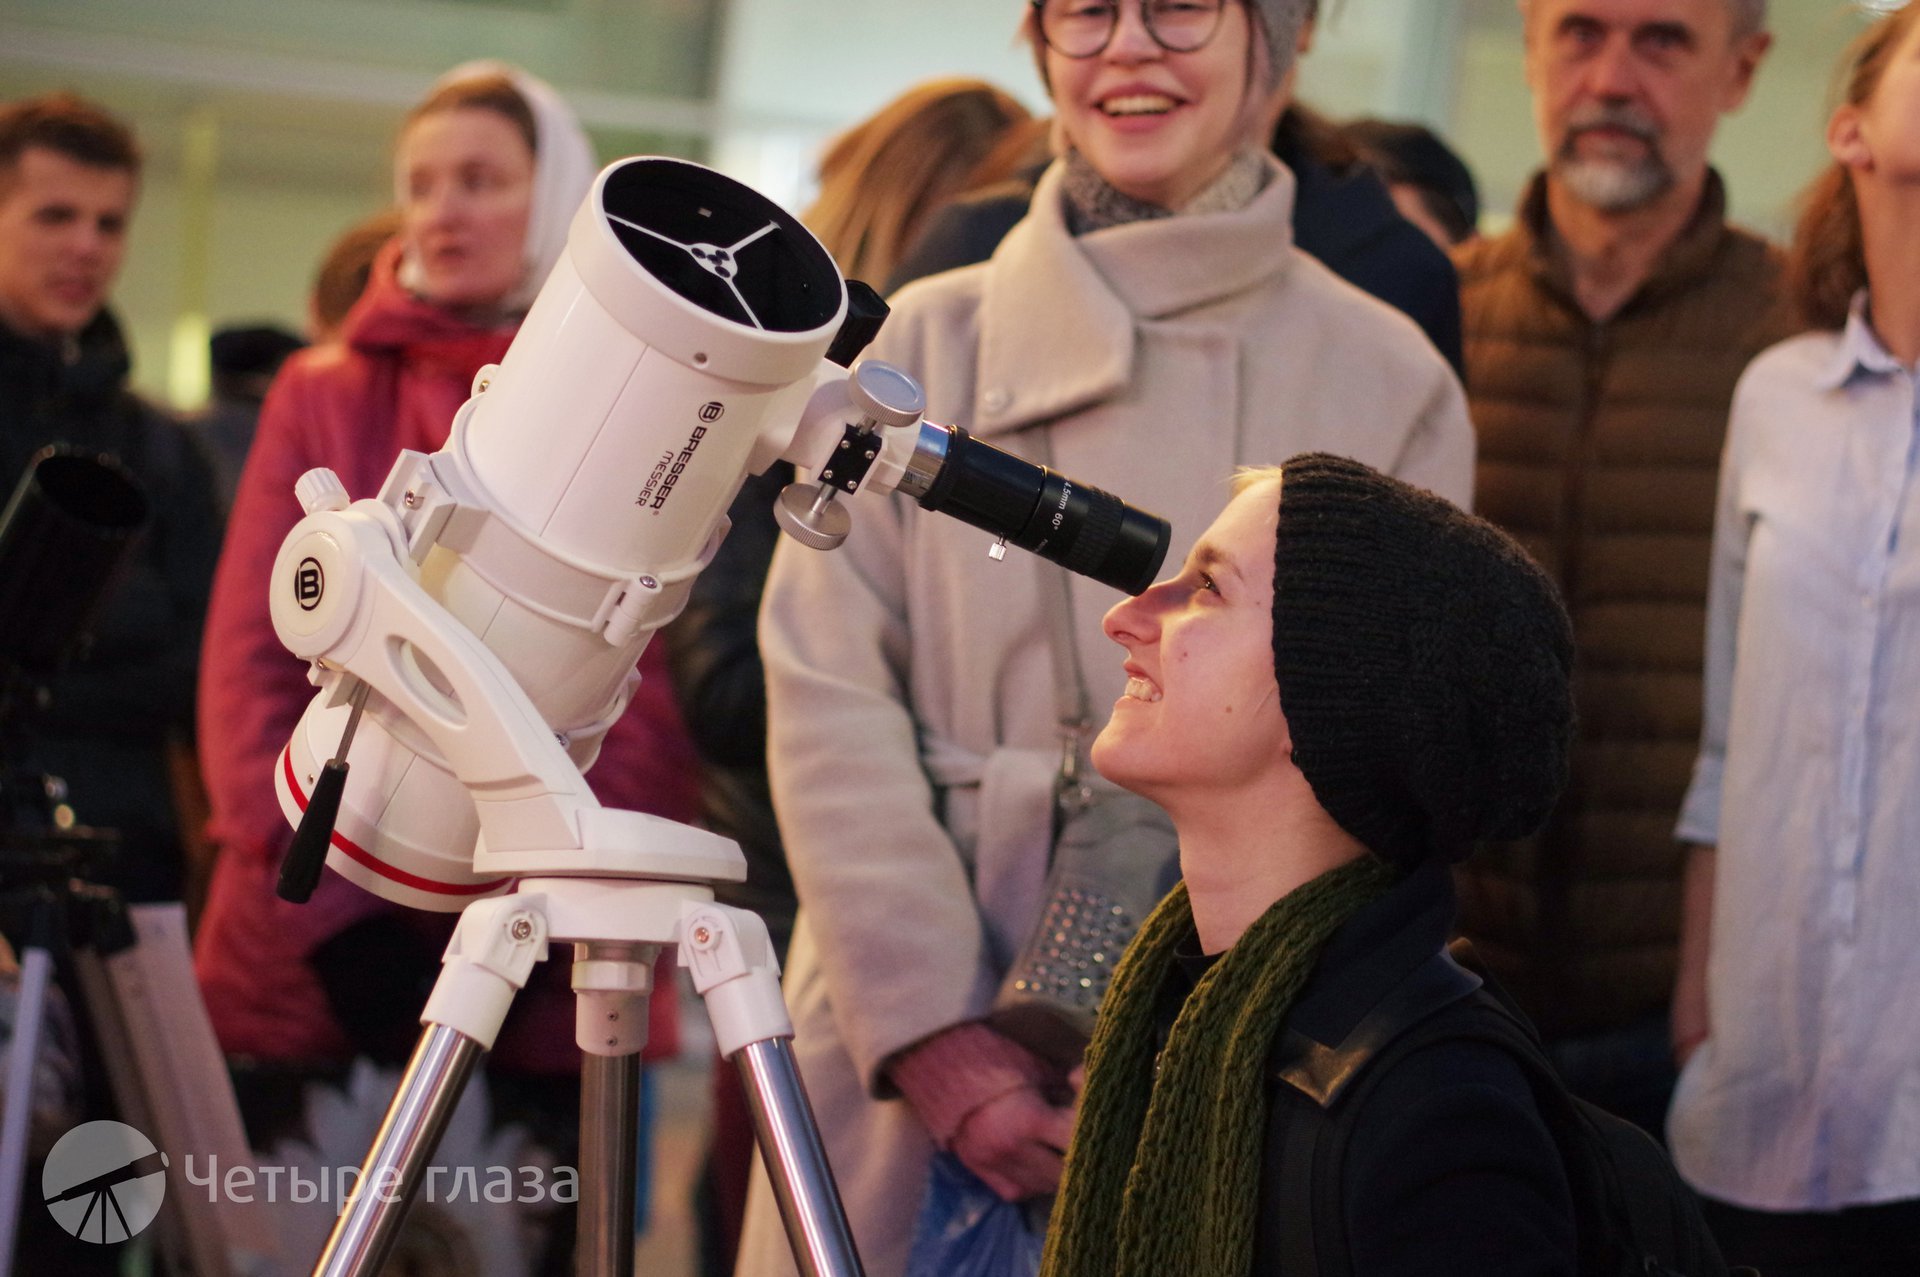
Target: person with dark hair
(1797,1116)
(1146,327)
(1342,215)
(1347,686)
(1605,332)
(244,359)
(118,725)
(1431,186)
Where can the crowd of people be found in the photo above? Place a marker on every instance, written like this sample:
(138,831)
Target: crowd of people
(1630,734)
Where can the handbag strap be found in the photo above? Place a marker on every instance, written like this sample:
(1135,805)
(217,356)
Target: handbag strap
(1073,705)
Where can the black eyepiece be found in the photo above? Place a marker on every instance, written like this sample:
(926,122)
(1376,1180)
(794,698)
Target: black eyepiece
(1083,529)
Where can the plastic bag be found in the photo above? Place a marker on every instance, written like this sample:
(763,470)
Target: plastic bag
(967,1230)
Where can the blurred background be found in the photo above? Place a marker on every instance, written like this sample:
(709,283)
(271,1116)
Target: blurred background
(267,123)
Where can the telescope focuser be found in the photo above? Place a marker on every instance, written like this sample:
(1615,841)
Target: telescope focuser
(883,396)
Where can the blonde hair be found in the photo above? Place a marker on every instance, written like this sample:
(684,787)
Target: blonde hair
(1827,264)
(1253,476)
(880,179)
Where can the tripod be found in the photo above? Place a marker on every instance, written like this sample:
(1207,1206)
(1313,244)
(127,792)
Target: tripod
(616,927)
(50,910)
(617,885)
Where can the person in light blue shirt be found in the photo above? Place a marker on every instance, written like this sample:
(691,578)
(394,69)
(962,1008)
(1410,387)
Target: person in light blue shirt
(1797,1010)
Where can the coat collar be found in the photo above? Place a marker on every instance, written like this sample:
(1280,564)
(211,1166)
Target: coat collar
(1858,350)
(91,367)
(390,321)
(1058,312)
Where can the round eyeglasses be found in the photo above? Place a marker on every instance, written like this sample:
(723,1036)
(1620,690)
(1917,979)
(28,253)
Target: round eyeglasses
(1084,28)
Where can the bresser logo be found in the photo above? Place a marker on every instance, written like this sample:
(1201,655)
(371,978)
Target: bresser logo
(309,583)
(712,412)
(667,471)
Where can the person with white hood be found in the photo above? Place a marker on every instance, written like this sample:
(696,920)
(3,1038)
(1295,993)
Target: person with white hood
(488,172)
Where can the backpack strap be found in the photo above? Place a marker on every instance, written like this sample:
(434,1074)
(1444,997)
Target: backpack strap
(1312,1223)
(1322,1073)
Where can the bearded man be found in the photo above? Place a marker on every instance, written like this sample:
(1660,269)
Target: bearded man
(1605,332)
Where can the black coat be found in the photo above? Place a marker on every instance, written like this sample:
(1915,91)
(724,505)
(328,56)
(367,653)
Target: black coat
(1450,1168)
(713,651)
(1345,218)
(112,715)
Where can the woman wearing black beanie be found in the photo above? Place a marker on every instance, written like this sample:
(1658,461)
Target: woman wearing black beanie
(1348,685)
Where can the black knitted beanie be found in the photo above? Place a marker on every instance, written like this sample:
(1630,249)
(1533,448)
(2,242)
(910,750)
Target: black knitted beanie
(1423,662)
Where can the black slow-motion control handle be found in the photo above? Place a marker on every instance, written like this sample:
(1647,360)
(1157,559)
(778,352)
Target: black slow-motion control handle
(307,856)
(300,871)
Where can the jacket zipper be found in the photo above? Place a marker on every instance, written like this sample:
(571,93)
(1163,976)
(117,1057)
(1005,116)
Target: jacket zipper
(1574,474)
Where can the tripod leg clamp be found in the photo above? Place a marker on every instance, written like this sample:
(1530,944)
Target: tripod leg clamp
(488,961)
(730,956)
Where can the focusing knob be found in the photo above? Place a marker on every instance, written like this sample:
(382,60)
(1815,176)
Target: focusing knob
(886,394)
(808,514)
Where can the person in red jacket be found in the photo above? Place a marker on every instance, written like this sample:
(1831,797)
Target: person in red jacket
(489,170)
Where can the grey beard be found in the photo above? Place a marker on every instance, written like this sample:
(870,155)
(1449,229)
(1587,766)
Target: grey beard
(1614,187)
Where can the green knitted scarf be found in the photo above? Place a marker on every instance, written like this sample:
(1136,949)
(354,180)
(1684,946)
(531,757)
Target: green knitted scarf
(1164,1170)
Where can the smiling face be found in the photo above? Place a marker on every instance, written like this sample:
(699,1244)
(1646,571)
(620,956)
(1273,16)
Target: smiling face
(1627,93)
(1161,126)
(1201,713)
(63,235)
(466,178)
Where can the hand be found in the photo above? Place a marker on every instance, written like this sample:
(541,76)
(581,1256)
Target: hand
(1014,1144)
(1687,1021)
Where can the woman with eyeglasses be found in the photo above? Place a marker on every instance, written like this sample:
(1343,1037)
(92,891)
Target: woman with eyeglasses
(1146,328)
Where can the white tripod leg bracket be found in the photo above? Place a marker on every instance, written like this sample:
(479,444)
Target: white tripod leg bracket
(730,956)
(488,961)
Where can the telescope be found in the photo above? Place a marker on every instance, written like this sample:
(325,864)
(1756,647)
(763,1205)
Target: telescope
(64,538)
(473,630)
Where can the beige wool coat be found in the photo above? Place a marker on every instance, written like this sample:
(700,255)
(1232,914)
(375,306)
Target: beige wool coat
(913,733)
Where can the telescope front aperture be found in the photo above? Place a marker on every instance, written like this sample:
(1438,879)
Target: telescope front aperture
(721,245)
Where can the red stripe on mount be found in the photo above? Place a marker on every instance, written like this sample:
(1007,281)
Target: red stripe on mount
(367,860)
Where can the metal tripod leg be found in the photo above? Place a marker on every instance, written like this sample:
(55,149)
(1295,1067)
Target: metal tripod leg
(493,949)
(817,1229)
(36,969)
(609,1163)
(730,958)
(436,1077)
